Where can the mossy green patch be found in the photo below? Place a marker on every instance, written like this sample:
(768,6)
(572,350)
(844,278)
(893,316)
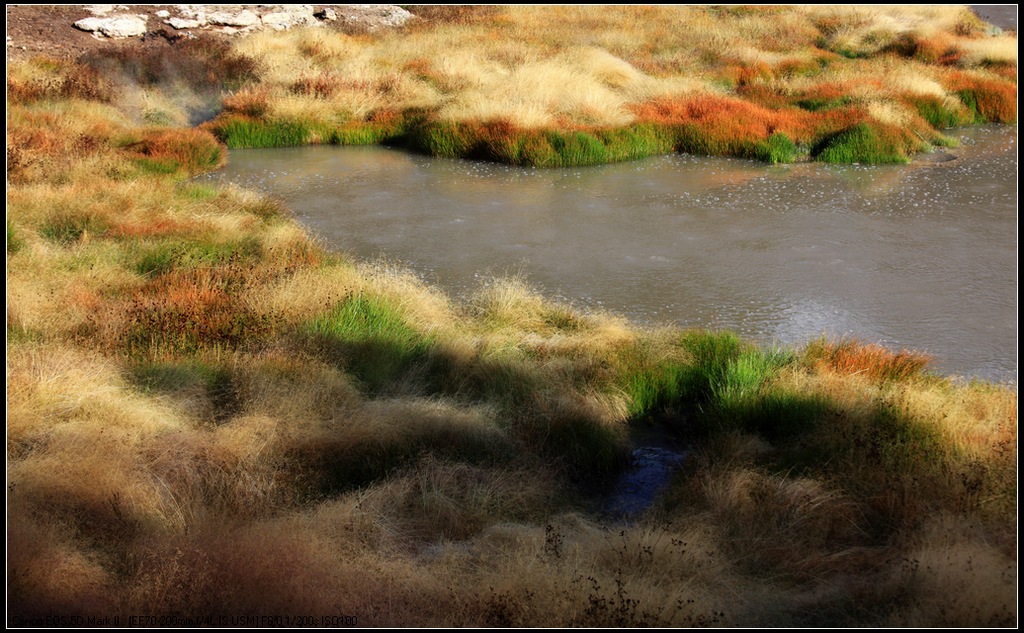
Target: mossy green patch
(164,166)
(152,258)
(818,104)
(197,192)
(66,226)
(14,241)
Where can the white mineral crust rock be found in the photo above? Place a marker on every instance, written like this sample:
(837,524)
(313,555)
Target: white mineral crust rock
(116,27)
(242,19)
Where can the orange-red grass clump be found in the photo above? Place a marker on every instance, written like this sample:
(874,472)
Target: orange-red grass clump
(991,99)
(725,124)
(162,227)
(851,357)
(182,311)
(193,150)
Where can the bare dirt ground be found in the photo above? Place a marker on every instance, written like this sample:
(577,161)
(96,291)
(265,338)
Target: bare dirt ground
(49,29)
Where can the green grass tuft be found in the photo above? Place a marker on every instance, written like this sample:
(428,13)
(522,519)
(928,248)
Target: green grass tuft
(372,339)
(655,387)
(152,259)
(710,353)
(239,132)
(444,139)
(68,226)
(870,143)
(938,114)
(773,413)
(14,242)
(779,148)
(743,377)
(818,104)
(198,192)
(743,398)
(505,143)
(160,166)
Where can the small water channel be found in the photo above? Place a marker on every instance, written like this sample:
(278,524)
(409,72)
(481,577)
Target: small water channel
(922,256)
(646,477)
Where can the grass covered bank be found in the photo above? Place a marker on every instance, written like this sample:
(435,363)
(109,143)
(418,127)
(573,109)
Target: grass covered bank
(211,415)
(564,86)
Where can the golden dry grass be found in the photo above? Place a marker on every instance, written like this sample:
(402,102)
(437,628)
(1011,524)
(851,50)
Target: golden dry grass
(556,66)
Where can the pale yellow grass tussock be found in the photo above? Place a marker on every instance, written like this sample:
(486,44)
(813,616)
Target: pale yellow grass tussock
(388,420)
(918,83)
(1000,49)
(427,308)
(462,73)
(306,293)
(510,301)
(889,112)
(51,384)
(952,577)
(295,390)
(978,419)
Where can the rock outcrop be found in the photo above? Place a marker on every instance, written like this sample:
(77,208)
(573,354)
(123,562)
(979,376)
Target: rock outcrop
(118,26)
(117,21)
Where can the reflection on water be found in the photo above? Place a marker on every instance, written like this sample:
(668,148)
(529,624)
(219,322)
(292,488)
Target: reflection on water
(921,256)
(1002,15)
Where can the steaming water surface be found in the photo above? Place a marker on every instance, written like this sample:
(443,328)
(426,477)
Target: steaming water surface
(922,256)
